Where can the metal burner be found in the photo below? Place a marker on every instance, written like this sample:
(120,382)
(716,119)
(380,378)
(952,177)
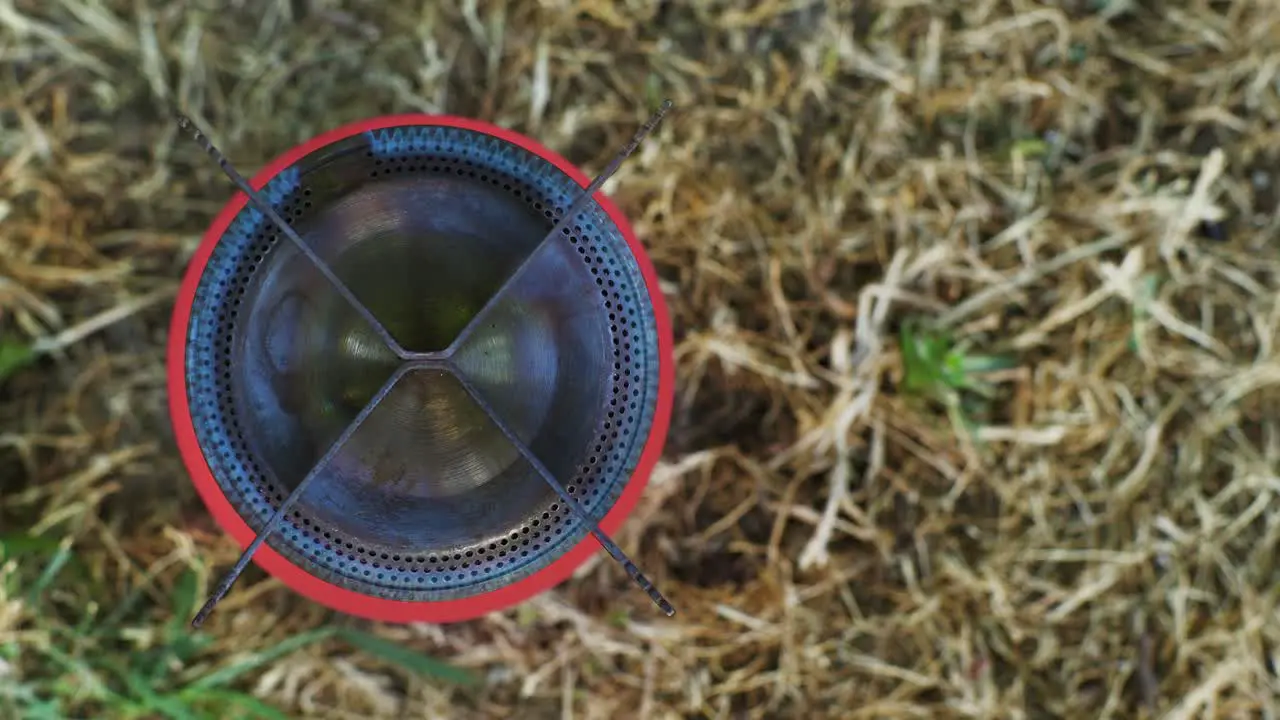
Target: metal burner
(458,331)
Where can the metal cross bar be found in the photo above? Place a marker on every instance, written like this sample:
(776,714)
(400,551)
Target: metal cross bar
(229,579)
(605,541)
(561,224)
(265,208)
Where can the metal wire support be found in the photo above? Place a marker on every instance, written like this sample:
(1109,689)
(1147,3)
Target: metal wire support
(561,224)
(605,541)
(229,579)
(419,361)
(265,208)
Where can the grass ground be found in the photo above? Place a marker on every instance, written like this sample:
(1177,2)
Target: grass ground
(976,324)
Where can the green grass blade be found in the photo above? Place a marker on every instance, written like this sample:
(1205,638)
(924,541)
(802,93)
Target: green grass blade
(978,364)
(21,701)
(170,707)
(43,710)
(922,358)
(185,596)
(59,561)
(126,606)
(86,678)
(21,543)
(408,659)
(229,674)
(184,642)
(233,705)
(14,356)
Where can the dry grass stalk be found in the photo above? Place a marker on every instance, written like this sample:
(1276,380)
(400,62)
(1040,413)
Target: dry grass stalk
(1086,187)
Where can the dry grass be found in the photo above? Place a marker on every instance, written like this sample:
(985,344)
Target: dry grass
(1080,195)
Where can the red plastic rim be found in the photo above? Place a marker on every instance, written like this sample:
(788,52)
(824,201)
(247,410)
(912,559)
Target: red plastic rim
(339,598)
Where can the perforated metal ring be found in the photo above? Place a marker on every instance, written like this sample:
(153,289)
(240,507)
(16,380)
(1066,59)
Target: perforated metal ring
(426,513)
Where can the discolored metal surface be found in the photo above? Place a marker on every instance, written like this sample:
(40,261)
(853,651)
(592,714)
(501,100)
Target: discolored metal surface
(427,501)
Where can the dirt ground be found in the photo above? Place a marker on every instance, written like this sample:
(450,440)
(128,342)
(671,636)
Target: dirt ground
(976,331)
